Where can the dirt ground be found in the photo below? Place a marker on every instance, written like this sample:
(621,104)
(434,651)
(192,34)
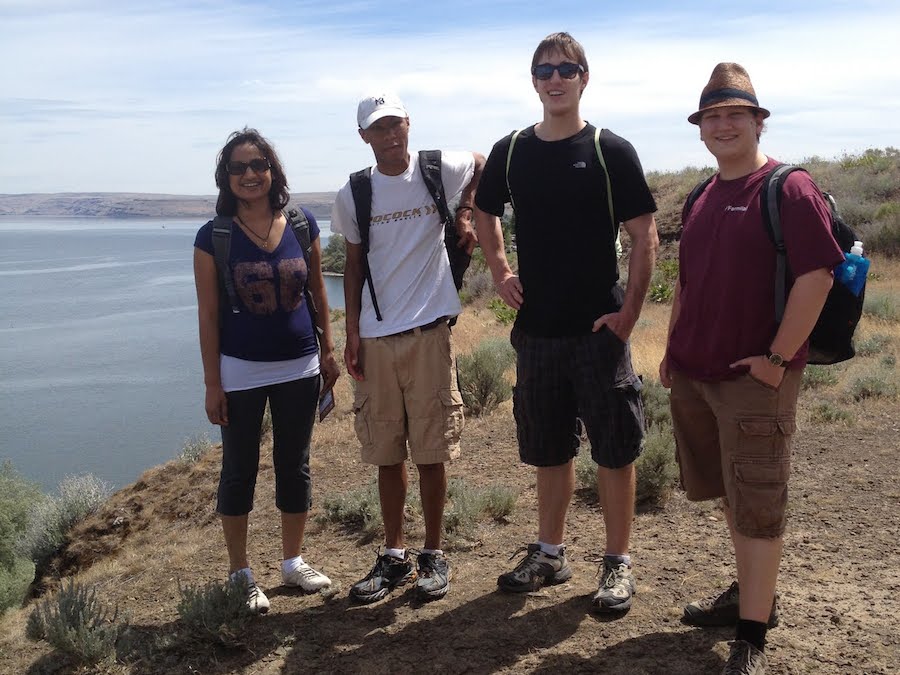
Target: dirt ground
(839,586)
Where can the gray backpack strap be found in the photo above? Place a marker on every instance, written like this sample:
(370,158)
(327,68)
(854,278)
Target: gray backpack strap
(512,143)
(300,225)
(770,202)
(221,241)
(361,189)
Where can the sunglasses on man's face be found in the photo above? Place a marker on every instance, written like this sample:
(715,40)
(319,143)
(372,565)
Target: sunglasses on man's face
(239,168)
(567,71)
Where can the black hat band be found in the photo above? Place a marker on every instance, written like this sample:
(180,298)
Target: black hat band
(721,94)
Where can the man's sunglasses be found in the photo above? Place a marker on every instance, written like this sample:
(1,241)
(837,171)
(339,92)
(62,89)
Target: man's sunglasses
(567,71)
(239,168)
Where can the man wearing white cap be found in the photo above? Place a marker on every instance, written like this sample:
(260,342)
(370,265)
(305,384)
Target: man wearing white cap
(399,349)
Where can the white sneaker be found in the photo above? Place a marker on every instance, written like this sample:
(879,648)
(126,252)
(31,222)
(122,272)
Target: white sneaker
(306,578)
(256,599)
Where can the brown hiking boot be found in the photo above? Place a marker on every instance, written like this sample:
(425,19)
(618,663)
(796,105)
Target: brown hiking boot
(722,610)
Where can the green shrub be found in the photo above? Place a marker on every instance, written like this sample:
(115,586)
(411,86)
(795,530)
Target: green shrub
(76,623)
(482,375)
(872,345)
(816,377)
(656,468)
(216,611)
(52,518)
(884,236)
(876,384)
(585,470)
(828,413)
(503,312)
(888,361)
(655,398)
(476,284)
(660,292)
(882,306)
(354,510)
(468,504)
(15,580)
(334,256)
(194,448)
(662,284)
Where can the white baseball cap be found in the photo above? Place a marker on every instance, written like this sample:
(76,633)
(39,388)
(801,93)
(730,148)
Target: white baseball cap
(373,108)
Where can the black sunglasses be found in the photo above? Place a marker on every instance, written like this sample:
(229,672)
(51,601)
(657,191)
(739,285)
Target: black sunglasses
(544,71)
(239,168)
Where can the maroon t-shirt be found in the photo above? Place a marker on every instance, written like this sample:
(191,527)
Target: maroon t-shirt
(727,271)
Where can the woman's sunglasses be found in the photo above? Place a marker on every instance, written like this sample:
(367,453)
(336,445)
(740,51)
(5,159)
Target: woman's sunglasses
(567,71)
(239,168)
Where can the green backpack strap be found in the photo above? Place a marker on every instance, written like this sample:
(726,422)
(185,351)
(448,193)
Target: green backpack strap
(609,199)
(612,214)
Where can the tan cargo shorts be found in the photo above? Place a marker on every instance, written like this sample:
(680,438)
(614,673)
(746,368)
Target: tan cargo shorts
(409,395)
(733,440)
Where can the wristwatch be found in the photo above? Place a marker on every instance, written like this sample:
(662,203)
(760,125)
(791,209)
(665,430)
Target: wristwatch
(776,359)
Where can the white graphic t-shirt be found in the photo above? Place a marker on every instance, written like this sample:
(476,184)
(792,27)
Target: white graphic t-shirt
(409,265)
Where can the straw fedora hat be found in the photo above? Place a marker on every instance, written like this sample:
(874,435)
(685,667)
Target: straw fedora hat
(729,84)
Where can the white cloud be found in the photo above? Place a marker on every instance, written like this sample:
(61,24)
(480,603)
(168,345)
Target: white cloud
(141,99)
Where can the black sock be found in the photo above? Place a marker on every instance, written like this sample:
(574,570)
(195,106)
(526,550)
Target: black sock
(753,632)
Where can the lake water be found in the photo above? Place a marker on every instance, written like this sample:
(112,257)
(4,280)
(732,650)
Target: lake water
(99,360)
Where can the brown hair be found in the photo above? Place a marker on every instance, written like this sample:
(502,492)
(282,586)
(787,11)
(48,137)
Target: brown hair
(226,205)
(563,43)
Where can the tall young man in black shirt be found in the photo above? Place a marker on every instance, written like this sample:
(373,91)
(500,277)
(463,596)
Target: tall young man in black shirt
(574,320)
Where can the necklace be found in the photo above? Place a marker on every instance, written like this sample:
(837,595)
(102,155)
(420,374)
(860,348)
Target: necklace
(264,241)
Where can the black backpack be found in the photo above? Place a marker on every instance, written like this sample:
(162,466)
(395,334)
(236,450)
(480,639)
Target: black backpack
(221,241)
(831,340)
(430,166)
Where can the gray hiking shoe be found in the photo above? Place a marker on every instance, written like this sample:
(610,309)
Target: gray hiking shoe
(433,580)
(616,590)
(536,569)
(722,610)
(745,659)
(387,574)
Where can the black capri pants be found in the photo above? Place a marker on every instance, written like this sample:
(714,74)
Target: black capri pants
(293,405)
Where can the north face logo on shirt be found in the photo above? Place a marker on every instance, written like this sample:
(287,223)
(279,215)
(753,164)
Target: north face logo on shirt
(579,165)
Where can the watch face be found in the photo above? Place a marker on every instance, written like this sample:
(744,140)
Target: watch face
(776,359)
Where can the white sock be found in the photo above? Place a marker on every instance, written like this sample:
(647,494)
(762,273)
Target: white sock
(399,553)
(246,571)
(432,551)
(289,565)
(550,549)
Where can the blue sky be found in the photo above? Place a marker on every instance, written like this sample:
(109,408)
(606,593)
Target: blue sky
(139,96)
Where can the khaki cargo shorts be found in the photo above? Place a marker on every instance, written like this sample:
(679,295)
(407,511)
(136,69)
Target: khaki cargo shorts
(409,394)
(734,440)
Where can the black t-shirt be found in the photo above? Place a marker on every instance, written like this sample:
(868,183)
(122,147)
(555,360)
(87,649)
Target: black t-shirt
(565,239)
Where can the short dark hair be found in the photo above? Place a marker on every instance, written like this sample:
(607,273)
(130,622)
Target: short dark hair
(563,43)
(279,196)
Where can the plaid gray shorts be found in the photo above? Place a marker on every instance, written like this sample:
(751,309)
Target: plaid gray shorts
(562,379)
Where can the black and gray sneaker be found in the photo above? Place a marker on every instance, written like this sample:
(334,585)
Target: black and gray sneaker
(616,589)
(387,573)
(433,580)
(536,569)
(722,610)
(745,659)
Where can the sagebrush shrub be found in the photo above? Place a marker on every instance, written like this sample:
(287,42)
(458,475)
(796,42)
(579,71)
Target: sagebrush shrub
(655,399)
(829,413)
(656,468)
(815,377)
(216,611)
(15,579)
(874,344)
(53,517)
(503,312)
(357,510)
(882,306)
(469,504)
(482,375)
(194,448)
(76,623)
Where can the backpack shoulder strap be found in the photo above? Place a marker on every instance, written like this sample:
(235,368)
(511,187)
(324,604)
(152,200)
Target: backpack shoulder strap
(430,166)
(609,197)
(512,143)
(300,225)
(770,206)
(361,189)
(221,241)
(694,195)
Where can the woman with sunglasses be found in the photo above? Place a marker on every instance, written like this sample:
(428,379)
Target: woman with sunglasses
(258,344)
